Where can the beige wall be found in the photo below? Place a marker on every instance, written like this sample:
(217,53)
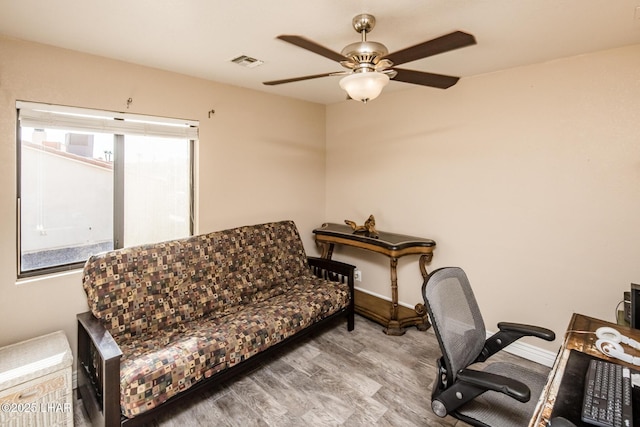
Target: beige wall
(528,178)
(261,158)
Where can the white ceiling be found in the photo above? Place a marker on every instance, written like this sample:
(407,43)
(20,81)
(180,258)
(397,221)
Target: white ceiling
(200,37)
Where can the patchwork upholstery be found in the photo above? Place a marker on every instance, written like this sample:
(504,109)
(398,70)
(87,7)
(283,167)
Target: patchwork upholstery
(185,309)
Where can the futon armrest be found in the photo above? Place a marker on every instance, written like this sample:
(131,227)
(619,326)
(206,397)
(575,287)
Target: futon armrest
(470,384)
(98,371)
(337,271)
(509,333)
(99,336)
(331,266)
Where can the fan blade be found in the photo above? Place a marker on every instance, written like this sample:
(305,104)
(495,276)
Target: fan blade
(297,79)
(425,79)
(442,44)
(313,47)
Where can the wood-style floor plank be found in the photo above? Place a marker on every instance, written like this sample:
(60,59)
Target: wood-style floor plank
(333,378)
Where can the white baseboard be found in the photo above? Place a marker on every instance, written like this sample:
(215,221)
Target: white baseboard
(521,349)
(531,352)
(366,291)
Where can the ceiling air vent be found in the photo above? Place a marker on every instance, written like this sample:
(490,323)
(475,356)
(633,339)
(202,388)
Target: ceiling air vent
(247,61)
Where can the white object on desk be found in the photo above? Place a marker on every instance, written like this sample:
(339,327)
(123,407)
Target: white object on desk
(35,382)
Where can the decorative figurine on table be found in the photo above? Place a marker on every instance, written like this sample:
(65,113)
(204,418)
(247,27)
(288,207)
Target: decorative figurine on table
(369,227)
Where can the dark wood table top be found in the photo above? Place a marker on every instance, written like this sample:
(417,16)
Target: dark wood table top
(391,244)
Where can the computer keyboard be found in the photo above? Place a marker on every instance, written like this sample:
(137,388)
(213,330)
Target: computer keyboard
(607,395)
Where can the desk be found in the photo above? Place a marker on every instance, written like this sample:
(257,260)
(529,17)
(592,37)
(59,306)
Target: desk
(394,318)
(582,342)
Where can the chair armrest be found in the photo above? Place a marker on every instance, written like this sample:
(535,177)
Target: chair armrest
(470,384)
(510,332)
(489,381)
(527,330)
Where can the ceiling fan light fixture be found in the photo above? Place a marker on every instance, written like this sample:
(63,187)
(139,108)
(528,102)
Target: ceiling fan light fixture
(364,86)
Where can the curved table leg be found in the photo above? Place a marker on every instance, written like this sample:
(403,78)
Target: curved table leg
(327,250)
(420,309)
(424,259)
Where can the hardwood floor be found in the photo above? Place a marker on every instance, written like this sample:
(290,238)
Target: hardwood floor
(334,378)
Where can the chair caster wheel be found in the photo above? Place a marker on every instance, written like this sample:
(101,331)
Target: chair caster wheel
(438,408)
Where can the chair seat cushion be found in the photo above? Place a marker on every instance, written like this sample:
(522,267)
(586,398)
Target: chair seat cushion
(497,409)
(156,367)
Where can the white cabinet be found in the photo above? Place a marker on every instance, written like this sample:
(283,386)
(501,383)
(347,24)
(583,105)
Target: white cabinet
(35,382)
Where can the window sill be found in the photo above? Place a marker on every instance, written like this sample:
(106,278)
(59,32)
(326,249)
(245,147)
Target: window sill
(47,277)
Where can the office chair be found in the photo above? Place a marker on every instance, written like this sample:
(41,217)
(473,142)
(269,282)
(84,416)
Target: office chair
(496,394)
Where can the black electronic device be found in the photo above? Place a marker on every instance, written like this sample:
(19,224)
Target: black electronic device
(627,307)
(635,306)
(570,396)
(607,395)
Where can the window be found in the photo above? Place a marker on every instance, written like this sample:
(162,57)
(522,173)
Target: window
(91,181)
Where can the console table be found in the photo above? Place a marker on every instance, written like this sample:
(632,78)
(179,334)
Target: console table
(393,317)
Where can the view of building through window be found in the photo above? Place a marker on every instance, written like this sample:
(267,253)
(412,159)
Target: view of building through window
(66,201)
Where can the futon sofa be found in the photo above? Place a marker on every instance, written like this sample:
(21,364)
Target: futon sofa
(169,319)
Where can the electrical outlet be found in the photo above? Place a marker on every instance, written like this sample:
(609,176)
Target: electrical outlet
(357,275)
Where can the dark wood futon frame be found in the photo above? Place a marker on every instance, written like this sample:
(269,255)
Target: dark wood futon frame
(99,358)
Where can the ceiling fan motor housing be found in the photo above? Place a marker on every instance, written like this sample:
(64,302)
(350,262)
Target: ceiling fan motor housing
(365,55)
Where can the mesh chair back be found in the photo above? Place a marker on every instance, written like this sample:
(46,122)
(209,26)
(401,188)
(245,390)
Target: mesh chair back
(455,316)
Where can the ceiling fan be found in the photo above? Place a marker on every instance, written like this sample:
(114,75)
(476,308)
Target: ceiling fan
(370,65)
